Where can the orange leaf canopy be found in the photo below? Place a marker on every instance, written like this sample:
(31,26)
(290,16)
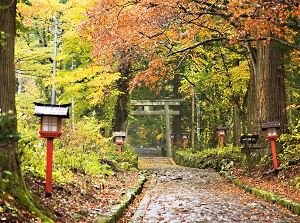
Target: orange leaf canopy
(146,32)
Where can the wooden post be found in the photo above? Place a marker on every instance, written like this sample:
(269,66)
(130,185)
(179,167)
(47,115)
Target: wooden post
(246,140)
(248,157)
(193,121)
(168,132)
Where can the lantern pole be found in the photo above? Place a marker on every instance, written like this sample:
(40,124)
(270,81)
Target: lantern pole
(119,149)
(221,141)
(172,135)
(274,154)
(119,138)
(49,167)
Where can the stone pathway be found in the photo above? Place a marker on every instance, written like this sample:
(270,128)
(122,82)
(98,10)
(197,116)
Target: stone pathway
(179,194)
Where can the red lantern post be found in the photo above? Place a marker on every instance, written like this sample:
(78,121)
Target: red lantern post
(221,134)
(271,129)
(50,128)
(184,138)
(119,138)
(172,136)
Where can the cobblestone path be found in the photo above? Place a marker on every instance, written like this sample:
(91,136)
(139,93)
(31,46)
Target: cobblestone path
(179,194)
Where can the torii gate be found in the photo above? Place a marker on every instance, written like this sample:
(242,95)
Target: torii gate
(167,112)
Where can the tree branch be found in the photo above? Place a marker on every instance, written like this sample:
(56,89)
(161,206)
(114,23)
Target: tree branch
(196,45)
(191,83)
(283,42)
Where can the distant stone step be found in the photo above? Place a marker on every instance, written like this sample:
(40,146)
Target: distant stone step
(148,151)
(155,162)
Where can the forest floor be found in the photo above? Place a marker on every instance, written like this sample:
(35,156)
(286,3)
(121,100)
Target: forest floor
(286,183)
(85,198)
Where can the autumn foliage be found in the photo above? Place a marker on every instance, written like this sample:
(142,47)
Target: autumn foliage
(153,33)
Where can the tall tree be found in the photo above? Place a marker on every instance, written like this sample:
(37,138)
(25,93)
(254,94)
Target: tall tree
(9,162)
(273,25)
(120,119)
(8,150)
(113,49)
(267,96)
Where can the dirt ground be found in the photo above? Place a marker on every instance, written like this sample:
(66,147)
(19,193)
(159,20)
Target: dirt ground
(83,200)
(78,201)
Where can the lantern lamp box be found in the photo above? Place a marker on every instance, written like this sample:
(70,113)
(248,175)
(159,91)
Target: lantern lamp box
(51,116)
(221,130)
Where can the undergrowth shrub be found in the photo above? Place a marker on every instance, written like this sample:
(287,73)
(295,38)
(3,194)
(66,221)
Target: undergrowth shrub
(7,127)
(82,150)
(291,152)
(217,158)
(204,153)
(291,147)
(32,149)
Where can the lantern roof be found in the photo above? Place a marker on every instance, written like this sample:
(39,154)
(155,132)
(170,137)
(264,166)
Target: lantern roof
(115,134)
(222,128)
(272,124)
(52,110)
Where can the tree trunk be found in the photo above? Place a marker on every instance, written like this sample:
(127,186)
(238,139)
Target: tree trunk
(236,127)
(9,162)
(120,119)
(267,99)
(8,149)
(177,118)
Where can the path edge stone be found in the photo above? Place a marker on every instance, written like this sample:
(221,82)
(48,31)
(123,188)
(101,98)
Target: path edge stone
(115,213)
